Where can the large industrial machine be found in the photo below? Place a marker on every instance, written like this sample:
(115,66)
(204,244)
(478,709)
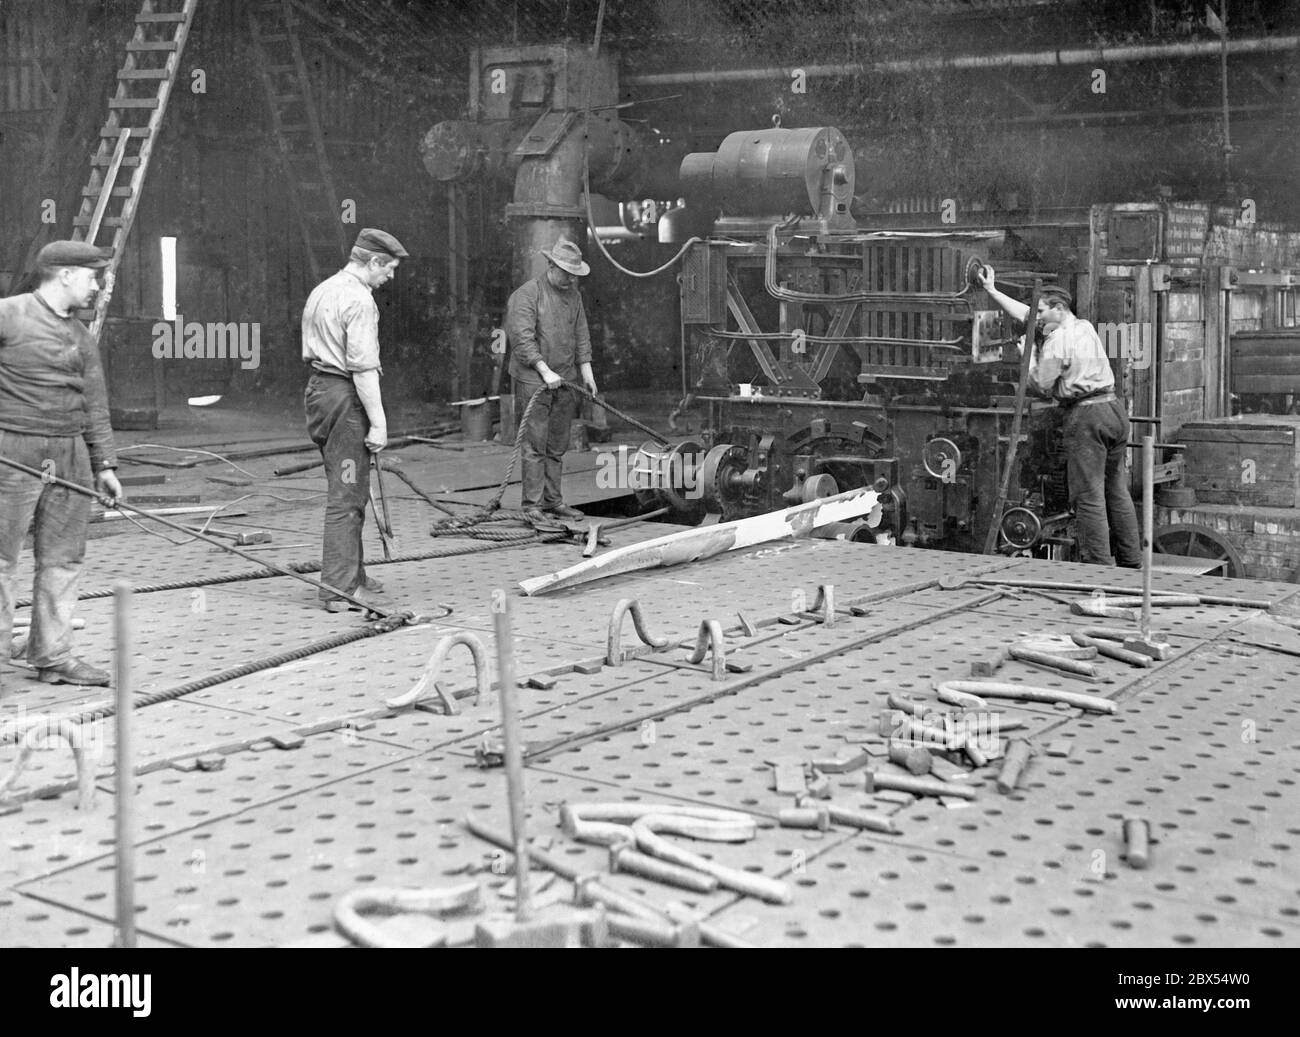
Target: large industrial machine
(826,357)
(829,348)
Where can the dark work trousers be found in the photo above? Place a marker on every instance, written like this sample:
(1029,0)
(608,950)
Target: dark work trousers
(337,423)
(545,440)
(1096,438)
(59,543)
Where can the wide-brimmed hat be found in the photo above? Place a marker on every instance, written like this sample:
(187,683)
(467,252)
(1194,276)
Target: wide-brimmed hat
(567,256)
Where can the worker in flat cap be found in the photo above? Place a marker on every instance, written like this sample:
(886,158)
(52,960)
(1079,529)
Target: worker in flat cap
(53,417)
(345,411)
(1071,367)
(549,345)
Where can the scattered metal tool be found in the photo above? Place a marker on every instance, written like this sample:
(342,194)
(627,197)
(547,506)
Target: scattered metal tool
(1023,693)
(383,522)
(916,786)
(1100,639)
(1013,765)
(258,536)
(597,529)
(1055,663)
(605,823)
(1137,842)
(350,913)
(916,759)
(636,922)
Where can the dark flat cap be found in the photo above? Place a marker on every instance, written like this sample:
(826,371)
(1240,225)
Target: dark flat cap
(373,240)
(73,253)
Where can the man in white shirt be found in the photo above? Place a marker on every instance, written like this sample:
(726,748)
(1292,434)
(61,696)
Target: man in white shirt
(345,412)
(1071,367)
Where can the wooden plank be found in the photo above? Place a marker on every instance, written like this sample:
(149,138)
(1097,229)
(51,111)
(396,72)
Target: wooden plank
(1266,384)
(1278,437)
(692,545)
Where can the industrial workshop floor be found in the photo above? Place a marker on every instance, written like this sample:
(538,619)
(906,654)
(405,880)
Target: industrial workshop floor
(256,853)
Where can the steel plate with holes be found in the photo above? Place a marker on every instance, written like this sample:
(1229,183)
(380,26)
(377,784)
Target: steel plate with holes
(258,851)
(272,874)
(48,836)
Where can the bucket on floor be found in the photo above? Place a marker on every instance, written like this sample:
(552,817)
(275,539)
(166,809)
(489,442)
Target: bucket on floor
(476,420)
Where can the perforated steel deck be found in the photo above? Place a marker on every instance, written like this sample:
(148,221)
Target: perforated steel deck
(257,853)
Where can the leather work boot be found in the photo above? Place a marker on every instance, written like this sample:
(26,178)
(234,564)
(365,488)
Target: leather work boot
(74,671)
(565,512)
(536,515)
(343,605)
(372,586)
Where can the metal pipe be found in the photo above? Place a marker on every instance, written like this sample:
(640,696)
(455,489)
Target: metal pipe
(1096,56)
(124,767)
(1148,528)
(512,751)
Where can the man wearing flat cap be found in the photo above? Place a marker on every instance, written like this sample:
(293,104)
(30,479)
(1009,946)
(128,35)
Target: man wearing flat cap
(54,417)
(345,412)
(549,345)
(1071,367)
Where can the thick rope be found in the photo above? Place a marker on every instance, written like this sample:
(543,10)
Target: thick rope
(108,709)
(450,551)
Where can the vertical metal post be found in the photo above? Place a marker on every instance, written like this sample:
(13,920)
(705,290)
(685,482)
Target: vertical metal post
(513,751)
(124,766)
(1148,527)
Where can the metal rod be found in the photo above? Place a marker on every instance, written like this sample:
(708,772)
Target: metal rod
(1004,486)
(1091,56)
(1148,528)
(123,506)
(512,751)
(124,767)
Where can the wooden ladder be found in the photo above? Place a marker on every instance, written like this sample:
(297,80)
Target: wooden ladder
(143,87)
(297,127)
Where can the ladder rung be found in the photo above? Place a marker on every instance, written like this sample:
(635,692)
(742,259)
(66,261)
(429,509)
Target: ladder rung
(161,16)
(95,192)
(153,45)
(133,102)
(107,160)
(141,73)
(116,131)
(107,221)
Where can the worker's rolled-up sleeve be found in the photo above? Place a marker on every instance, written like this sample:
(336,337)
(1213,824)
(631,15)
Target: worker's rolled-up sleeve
(521,326)
(98,432)
(581,336)
(360,321)
(1048,367)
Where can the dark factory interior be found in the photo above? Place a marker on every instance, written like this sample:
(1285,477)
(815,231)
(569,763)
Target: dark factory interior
(594,473)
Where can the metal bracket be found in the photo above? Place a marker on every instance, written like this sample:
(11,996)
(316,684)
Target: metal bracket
(825,601)
(614,654)
(428,680)
(31,732)
(710,636)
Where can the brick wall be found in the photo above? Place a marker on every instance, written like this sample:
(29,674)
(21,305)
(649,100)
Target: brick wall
(1267,539)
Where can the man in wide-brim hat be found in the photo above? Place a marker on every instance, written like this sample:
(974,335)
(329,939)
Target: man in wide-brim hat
(549,345)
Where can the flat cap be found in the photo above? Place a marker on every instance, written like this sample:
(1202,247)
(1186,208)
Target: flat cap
(373,240)
(73,253)
(1053,293)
